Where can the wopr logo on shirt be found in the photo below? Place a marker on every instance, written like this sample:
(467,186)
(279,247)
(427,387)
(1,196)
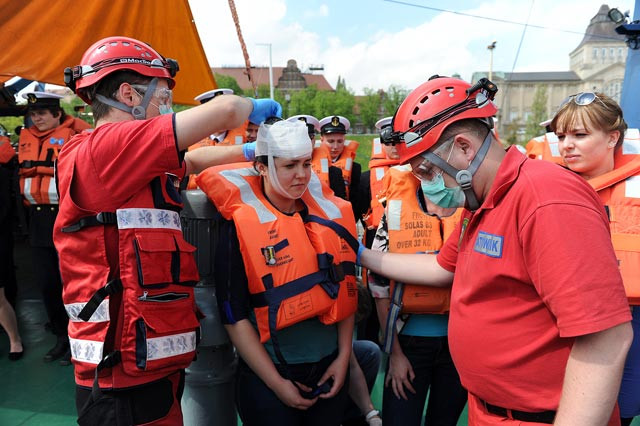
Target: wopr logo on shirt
(489,244)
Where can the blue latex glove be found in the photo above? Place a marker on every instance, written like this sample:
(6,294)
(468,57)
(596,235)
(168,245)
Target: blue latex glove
(249,151)
(361,248)
(263,109)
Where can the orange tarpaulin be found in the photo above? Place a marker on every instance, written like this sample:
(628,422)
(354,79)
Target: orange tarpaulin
(39,38)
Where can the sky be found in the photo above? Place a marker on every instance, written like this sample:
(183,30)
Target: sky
(376,43)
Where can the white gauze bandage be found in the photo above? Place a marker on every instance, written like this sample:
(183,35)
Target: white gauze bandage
(283,139)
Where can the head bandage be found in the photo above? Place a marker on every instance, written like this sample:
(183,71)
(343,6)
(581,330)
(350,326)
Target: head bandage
(283,139)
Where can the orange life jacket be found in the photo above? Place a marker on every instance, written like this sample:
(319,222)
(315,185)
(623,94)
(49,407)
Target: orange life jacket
(297,268)
(411,230)
(320,161)
(141,325)
(378,166)
(6,150)
(544,147)
(37,152)
(620,192)
(345,162)
(233,137)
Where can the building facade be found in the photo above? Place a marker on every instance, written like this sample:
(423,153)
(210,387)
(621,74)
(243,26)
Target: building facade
(596,64)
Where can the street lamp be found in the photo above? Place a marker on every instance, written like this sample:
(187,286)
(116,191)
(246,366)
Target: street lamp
(491,47)
(271,69)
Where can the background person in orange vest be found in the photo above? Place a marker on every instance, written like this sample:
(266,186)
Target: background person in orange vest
(38,148)
(342,152)
(7,268)
(415,330)
(591,141)
(321,159)
(294,359)
(539,325)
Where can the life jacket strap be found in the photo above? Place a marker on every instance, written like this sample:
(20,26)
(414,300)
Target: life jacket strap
(112,287)
(102,218)
(29,164)
(392,317)
(337,228)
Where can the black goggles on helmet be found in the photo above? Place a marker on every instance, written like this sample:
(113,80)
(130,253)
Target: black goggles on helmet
(486,91)
(72,74)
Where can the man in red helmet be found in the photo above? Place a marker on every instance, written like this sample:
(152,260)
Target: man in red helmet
(536,336)
(128,273)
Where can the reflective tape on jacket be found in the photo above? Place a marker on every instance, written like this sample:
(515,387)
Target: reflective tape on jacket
(345,162)
(299,268)
(320,160)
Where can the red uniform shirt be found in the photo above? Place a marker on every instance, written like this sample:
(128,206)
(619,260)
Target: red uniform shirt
(534,268)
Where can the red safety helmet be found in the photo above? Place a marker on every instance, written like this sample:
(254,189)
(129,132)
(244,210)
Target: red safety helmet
(432,107)
(114,54)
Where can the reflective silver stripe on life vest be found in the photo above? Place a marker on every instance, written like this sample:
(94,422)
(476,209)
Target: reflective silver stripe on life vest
(632,187)
(246,193)
(315,190)
(552,141)
(377,146)
(89,351)
(324,165)
(51,192)
(379,173)
(148,218)
(317,144)
(348,164)
(27,191)
(631,142)
(239,140)
(394,212)
(168,346)
(100,315)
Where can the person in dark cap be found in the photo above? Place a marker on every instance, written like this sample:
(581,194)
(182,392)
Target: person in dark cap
(342,151)
(37,150)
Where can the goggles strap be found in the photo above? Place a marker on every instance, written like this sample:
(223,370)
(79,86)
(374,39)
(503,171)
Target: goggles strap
(139,112)
(464,178)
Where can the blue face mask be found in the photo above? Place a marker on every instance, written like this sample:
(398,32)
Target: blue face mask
(439,194)
(165,109)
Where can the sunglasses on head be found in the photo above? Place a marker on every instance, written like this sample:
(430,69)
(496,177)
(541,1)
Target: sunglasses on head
(582,99)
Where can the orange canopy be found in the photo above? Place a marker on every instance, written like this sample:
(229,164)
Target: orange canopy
(39,38)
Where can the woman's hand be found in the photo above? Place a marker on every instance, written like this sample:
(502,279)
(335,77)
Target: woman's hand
(337,371)
(400,374)
(290,396)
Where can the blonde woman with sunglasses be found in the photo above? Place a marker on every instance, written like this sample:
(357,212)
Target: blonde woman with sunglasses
(591,141)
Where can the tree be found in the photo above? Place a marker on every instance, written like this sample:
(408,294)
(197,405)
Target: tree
(369,106)
(538,113)
(227,82)
(393,98)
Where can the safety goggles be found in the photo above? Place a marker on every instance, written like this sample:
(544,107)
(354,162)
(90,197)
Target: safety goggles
(484,90)
(164,95)
(582,99)
(425,171)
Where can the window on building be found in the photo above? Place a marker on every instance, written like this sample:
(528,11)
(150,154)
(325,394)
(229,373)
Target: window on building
(604,52)
(620,52)
(595,52)
(513,116)
(613,89)
(612,52)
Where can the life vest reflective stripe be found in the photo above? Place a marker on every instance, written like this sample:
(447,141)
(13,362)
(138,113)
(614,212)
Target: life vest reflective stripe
(544,147)
(378,166)
(345,162)
(6,150)
(233,137)
(30,189)
(153,329)
(620,192)
(279,250)
(411,230)
(320,161)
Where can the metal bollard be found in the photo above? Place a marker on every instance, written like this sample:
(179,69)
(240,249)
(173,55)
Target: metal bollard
(209,389)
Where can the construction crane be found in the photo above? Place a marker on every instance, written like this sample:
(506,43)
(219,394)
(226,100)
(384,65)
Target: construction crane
(247,62)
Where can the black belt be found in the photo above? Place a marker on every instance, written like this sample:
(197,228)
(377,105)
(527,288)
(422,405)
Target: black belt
(545,417)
